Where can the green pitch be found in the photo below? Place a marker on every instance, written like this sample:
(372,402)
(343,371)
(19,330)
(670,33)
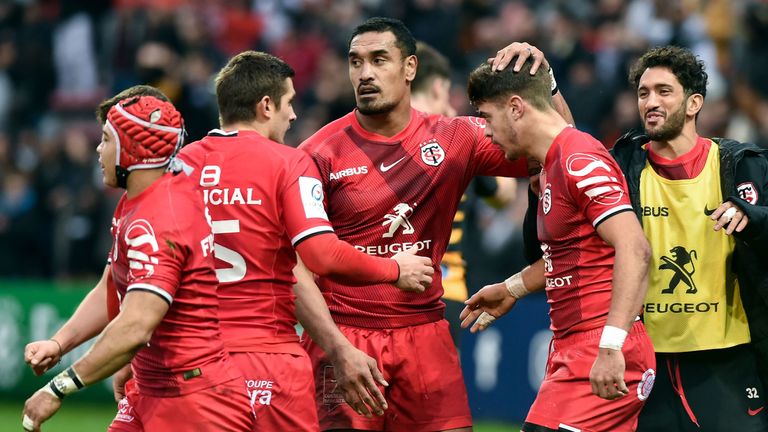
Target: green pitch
(81,417)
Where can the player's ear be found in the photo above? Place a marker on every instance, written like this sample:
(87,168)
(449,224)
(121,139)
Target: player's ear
(265,108)
(694,104)
(410,63)
(515,107)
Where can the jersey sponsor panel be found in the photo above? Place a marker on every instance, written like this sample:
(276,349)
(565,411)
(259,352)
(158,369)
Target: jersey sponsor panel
(408,199)
(693,301)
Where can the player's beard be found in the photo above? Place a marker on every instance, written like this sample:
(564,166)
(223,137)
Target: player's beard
(374,107)
(672,127)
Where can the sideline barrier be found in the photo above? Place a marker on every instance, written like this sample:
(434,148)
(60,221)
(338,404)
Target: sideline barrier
(32,310)
(503,366)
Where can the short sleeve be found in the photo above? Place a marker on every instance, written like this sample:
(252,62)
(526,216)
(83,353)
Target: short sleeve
(303,201)
(155,259)
(594,180)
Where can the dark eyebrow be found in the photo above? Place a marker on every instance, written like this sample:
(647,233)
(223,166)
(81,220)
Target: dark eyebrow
(374,53)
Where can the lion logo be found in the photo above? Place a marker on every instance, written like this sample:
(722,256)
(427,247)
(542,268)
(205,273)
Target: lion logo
(679,263)
(399,219)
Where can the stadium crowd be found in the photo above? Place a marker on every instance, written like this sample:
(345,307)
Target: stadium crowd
(59,58)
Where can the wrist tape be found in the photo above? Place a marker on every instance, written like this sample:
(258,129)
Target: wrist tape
(64,383)
(516,286)
(612,338)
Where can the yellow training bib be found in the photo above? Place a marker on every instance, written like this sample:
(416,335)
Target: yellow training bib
(693,300)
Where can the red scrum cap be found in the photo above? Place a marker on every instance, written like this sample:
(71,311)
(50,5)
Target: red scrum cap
(148,132)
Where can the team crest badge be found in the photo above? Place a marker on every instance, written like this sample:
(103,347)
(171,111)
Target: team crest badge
(546,199)
(747,192)
(646,384)
(432,153)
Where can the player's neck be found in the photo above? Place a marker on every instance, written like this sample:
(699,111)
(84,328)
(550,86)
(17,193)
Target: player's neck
(539,136)
(678,146)
(262,128)
(387,124)
(139,180)
(422,103)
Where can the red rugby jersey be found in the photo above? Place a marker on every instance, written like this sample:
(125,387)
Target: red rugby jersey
(163,244)
(385,194)
(264,198)
(582,186)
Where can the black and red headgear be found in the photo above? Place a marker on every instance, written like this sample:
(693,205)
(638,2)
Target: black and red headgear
(148,133)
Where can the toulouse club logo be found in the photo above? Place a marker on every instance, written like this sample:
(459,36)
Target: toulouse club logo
(432,153)
(747,192)
(546,199)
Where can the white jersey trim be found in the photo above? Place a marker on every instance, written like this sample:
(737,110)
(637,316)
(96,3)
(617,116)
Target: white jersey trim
(147,287)
(610,212)
(306,233)
(568,428)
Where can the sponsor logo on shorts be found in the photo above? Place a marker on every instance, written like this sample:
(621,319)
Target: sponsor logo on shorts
(646,384)
(332,396)
(260,391)
(754,412)
(124,411)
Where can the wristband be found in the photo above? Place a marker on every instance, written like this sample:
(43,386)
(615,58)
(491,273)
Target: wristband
(612,338)
(554,83)
(516,286)
(61,351)
(64,383)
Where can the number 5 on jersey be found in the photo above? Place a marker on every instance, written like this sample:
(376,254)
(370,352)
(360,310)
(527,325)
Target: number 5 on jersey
(209,177)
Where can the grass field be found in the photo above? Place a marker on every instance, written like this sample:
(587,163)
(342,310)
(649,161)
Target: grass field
(80,417)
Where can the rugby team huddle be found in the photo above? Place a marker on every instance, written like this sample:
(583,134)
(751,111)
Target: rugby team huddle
(650,256)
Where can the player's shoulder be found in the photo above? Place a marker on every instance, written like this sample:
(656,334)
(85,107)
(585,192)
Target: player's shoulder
(176,204)
(572,139)
(328,134)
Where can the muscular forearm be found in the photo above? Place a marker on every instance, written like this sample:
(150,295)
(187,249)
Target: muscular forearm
(312,312)
(89,319)
(533,277)
(630,282)
(113,350)
(142,312)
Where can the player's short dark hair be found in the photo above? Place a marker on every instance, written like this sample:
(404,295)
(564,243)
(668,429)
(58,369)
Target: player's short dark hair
(683,63)
(486,85)
(432,65)
(130,92)
(245,80)
(403,37)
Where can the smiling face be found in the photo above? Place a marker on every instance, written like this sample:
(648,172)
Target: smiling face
(500,128)
(107,151)
(379,73)
(662,103)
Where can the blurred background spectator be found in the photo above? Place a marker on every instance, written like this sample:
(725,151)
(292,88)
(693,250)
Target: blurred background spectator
(58,58)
